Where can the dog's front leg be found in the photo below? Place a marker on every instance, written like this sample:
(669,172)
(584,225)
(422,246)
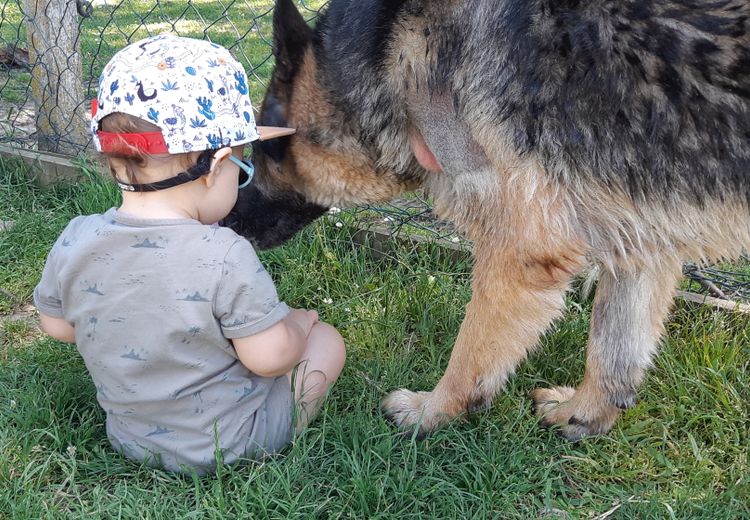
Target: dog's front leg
(516,295)
(626,324)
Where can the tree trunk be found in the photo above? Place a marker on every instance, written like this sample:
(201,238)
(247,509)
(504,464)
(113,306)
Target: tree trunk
(56,85)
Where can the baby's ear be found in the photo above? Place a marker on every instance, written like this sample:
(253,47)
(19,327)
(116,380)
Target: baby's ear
(219,157)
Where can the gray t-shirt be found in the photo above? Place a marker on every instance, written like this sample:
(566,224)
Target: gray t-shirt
(153,303)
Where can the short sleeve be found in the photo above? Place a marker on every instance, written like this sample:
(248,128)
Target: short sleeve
(246,302)
(47,292)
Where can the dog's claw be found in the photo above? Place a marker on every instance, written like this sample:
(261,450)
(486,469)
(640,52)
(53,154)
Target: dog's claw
(560,407)
(575,421)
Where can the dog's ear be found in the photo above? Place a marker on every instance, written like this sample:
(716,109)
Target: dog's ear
(273,114)
(291,36)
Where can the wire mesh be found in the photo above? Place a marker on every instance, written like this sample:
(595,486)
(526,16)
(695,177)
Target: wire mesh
(29,42)
(728,282)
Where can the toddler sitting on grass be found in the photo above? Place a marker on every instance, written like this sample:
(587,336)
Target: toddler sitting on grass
(193,356)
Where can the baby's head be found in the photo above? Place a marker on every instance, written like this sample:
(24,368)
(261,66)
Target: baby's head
(168,101)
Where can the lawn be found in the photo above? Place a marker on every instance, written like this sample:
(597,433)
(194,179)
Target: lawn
(682,452)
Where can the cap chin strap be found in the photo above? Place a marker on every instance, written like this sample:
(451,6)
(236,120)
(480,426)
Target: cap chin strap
(180,178)
(201,168)
(195,172)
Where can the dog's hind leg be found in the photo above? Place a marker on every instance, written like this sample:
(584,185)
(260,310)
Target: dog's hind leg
(626,324)
(516,295)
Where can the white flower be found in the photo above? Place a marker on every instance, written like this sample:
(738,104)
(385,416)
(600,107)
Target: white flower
(455,240)
(347,309)
(334,211)
(328,301)
(12,403)
(320,289)
(387,219)
(71,451)
(339,224)
(431,279)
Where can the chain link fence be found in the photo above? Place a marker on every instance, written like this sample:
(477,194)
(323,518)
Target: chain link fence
(52,52)
(726,282)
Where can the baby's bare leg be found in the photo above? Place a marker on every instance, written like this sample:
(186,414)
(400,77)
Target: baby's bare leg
(321,365)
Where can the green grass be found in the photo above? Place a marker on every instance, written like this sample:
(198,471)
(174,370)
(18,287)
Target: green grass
(682,452)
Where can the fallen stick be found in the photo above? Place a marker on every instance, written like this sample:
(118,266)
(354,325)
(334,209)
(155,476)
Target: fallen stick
(697,275)
(703,299)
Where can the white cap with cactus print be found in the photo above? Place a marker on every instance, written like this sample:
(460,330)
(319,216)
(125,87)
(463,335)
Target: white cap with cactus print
(195,91)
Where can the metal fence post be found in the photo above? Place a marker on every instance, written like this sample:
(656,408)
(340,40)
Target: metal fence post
(56,84)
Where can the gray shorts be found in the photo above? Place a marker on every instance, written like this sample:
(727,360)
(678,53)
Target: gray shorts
(272,430)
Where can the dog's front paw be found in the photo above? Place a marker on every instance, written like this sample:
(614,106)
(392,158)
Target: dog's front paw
(576,415)
(407,410)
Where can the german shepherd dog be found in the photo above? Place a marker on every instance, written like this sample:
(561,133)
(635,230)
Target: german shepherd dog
(558,135)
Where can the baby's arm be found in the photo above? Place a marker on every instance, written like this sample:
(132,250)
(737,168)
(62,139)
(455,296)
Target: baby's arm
(277,350)
(58,328)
